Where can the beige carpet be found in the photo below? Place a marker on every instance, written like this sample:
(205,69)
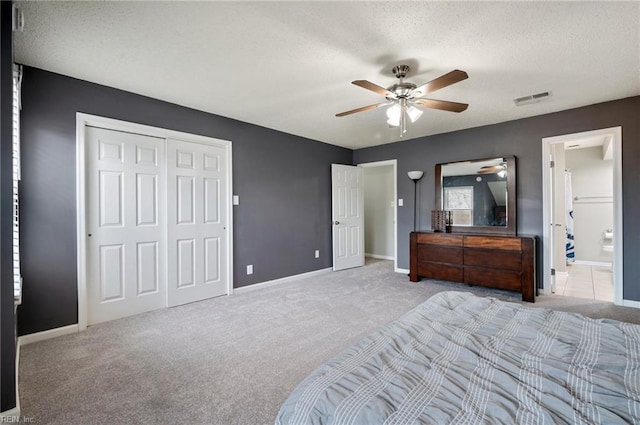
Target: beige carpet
(228,360)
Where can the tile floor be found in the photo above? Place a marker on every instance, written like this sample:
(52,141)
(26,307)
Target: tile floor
(583,281)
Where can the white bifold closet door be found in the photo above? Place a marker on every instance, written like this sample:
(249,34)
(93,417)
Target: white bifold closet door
(153,239)
(197,221)
(126,224)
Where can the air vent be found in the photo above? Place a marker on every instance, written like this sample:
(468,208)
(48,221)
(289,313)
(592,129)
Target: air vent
(534,98)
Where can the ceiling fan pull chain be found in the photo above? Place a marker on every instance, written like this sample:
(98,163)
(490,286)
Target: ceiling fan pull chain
(403,117)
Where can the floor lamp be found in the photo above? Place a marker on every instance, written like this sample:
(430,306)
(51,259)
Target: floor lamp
(415,176)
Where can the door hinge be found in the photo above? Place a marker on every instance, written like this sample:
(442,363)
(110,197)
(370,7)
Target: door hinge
(552,164)
(553,271)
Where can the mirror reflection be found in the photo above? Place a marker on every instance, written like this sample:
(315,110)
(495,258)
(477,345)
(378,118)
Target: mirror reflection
(476,192)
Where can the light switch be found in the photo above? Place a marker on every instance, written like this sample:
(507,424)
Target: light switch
(400,202)
(236,200)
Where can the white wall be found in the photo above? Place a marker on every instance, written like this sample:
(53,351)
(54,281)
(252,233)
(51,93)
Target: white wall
(378,211)
(591,177)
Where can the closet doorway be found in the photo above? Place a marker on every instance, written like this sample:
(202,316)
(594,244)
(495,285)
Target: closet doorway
(582,215)
(154,218)
(380,210)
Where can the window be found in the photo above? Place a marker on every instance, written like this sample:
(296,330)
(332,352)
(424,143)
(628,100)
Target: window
(17,278)
(459,200)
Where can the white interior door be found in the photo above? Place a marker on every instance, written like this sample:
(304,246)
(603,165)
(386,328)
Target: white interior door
(125,224)
(558,210)
(197,222)
(347,216)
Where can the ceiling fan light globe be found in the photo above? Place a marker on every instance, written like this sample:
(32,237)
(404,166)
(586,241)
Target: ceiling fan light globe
(393,113)
(414,113)
(394,122)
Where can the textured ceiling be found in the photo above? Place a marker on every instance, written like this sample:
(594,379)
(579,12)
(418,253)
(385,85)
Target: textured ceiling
(289,65)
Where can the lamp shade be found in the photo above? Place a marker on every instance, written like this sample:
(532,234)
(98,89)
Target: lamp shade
(415,175)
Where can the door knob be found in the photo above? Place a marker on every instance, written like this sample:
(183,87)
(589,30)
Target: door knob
(336,222)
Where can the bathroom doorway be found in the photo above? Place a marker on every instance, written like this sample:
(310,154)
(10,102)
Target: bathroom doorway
(380,211)
(582,215)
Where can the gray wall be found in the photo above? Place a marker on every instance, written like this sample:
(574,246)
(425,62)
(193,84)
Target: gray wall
(284,184)
(7,317)
(521,138)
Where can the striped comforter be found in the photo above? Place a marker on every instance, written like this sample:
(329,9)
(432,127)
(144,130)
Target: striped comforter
(462,359)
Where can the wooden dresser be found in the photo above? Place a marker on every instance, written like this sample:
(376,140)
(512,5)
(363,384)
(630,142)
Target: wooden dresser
(503,262)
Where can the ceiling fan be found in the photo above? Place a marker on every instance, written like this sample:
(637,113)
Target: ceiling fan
(404,98)
(500,169)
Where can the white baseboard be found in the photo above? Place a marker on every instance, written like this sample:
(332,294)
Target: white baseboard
(592,263)
(631,303)
(404,271)
(51,333)
(29,339)
(281,280)
(379,257)
(14,414)
(17,408)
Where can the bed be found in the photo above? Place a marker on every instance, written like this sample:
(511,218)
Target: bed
(463,359)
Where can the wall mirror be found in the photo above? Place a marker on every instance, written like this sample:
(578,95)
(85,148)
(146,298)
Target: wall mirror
(481,195)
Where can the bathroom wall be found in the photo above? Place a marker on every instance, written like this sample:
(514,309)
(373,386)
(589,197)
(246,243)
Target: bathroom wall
(378,211)
(592,183)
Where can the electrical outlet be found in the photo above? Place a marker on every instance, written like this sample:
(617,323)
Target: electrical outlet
(400,202)
(317,253)
(236,200)
(250,269)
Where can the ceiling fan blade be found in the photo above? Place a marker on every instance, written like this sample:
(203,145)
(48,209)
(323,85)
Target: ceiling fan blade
(364,108)
(442,81)
(440,104)
(374,88)
(490,169)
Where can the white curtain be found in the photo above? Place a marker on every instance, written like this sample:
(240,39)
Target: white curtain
(570,248)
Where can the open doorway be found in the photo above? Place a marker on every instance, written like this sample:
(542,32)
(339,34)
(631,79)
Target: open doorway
(582,215)
(380,213)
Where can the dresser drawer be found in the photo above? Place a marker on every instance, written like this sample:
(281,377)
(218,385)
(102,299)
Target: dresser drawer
(441,271)
(446,239)
(503,260)
(493,242)
(440,254)
(501,279)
